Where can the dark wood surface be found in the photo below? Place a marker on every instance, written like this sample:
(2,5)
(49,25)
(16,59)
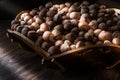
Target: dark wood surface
(19,64)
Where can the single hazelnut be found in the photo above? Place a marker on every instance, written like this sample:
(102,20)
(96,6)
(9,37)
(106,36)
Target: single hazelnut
(73,46)
(67,42)
(56,34)
(79,44)
(68,26)
(23,22)
(57,18)
(19,28)
(75,30)
(116,41)
(70,36)
(116,34)
(38,20)
(46,35)
(30,21)
(53,50)
(104,35)
(15,22)
(102,26)
(51,13)
(39,32)
(25,30)
(97,32)
(64,47)
(48,4)
(14,26)
(36,25)
(74,15)
(81,33)
(45,45)
(107,42)
(74,22)
(23,15)
(58,43)
(83,25)
(33,12)
(51,24)
(63,11)
(44,27)
(32,35)
(26,18)
(93,24)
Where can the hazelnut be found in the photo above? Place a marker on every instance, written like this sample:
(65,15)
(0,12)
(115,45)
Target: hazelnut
(51,13)
(71,9)
(19,28)
(56,34)
(36,25)
(14,26)
(23,15)
(23,22)
(116,41)
(74,22)
(52,38)
(53,50)
(25,31)
(68,26)
(26,18)
(75,30)
(79,44)
(67,42)
(64,47)
(70,36)
(59,28)
(73,46)
(48,4)
(46,35)
(84,10)
(15,22)
(39,32)
(58,43)
(33,12)
(107,42)
(63,11)
(74,15)
(44,27)
(38,20)
(104,35)
(32,35)
(83,25)
(81,33)
(93,24)
(68,4)
(30,21)
(102,26)
(57,18)
(97,32)
(45,45)
(88,36)
(116,34)
(62,6)
(51,24)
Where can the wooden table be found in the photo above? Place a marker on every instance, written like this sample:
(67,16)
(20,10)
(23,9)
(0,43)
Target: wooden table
(19,64)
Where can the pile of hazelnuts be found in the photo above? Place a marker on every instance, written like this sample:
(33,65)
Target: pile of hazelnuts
(57,28)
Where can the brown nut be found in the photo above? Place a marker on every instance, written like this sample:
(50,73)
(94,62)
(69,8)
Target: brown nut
(105,35)
(70,36)
(23,15)
(97,32)
(74,22)
(83,26)
(79,44)
(93,24)
(67,42)
(36,25)
(53,50)
(107,42)
(44,27)
(45,45)
(58,43)
(57,18)
(59,28)
(56,34)
(74,15)
(32,35)
(26,18)
(68,26)
(46,35)
(19,28)
(116,41)
(75,30)
(25,30)
(64,47)
(48,4)
(73,46)
(102,26)
(30,21)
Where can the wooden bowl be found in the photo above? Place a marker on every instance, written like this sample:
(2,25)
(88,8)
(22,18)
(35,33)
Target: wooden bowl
(102,56)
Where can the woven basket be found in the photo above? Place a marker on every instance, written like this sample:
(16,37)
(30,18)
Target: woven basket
(94,55)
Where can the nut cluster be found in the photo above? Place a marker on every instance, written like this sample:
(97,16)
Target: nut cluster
(58,28)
